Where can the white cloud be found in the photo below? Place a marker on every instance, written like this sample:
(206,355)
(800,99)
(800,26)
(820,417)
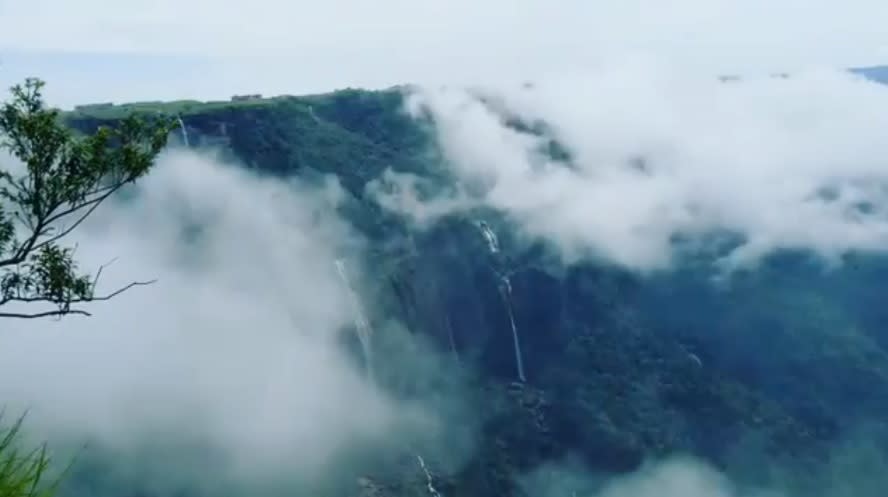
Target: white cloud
(753,157)
(852,469)
(676,477)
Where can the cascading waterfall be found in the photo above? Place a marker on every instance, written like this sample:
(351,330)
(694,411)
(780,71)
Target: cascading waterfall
(184,131)
(490,236)
(362,326)
(429,481)
(506,292)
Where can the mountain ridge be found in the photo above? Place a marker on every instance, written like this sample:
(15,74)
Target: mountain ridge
(111,111)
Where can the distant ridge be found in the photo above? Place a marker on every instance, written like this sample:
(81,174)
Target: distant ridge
(108,110)
(878,74)
(874,73)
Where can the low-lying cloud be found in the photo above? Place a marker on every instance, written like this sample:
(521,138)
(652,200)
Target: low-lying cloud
(235,348)
(658,161)
(852,469)
(676,477)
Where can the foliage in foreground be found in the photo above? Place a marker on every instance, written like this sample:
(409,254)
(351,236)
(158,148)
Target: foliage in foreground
(23,472)
(62,179)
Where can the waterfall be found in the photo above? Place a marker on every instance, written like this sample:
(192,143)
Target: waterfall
(184,131)
(429,481)
(490,236)
(516,343)
(506,292)
(362,327)
(314,117)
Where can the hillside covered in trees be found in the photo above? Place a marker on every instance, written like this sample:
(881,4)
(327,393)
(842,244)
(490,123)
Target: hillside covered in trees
(778,375)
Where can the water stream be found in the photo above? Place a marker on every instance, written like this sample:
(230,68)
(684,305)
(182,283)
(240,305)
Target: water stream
(506,293)
(362,326)
(184,131)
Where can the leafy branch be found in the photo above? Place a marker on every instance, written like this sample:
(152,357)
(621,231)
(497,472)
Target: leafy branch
(65,178)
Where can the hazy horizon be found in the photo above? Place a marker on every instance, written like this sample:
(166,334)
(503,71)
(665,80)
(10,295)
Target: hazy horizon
(101,51)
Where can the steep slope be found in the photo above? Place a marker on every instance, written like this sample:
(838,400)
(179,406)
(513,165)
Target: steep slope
(582,360)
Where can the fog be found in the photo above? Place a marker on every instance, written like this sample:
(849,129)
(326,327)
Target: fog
(660,161)
(675,477)
(853,469)
(236,349)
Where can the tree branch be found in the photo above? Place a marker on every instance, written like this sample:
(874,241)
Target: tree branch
(22,252)
(93,205)
(65,310)
(58,312)
(31,244)
(103,192)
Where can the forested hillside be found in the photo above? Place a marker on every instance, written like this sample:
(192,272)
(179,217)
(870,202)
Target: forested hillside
(771,375)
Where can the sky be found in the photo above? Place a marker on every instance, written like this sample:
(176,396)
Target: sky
(103,50)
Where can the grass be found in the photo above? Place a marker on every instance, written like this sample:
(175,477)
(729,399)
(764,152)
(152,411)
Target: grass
(23,472)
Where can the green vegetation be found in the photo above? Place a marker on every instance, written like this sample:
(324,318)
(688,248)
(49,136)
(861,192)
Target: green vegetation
(350,134)
(111,112)
(344,101)
(22,473)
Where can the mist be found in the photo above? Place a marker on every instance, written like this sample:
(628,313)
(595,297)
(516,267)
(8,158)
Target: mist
(675,477)
(654,162)
(230,365)
(853,469)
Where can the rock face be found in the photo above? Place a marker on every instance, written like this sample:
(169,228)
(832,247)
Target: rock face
(586,360)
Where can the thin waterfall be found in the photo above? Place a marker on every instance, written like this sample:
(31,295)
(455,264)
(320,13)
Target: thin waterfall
(362,326)
(184,131)
(490,236)
(507,297)
(314,117)
(506,293)
(430,484)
